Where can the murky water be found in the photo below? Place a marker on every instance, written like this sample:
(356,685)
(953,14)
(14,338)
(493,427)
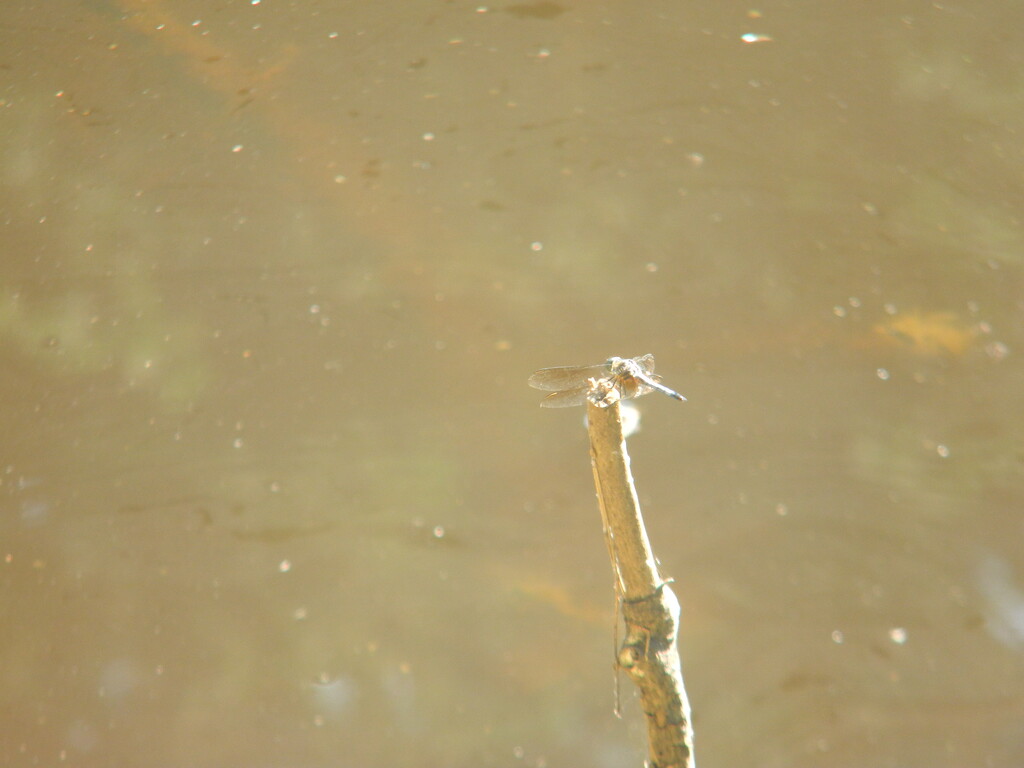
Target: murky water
(274,489)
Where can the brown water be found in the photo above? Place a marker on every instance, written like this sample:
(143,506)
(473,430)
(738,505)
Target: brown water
(275,493)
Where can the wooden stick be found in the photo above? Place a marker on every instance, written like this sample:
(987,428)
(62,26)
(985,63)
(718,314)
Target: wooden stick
(649,654)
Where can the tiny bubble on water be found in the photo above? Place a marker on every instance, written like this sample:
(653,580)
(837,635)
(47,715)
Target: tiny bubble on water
(898,635)
(997,350)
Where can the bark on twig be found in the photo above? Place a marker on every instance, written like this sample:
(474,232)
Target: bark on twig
(649,653)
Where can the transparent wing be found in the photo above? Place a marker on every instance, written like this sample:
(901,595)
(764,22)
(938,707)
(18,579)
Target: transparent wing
(646,362)
(566,376)
(633,388)
(566,398)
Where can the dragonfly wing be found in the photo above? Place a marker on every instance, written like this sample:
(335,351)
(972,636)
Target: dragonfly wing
(565,377)
(650,382)
(634,388)
(566,398)
(646,362)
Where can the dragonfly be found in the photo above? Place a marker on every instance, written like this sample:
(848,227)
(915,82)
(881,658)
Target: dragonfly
(617,378)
